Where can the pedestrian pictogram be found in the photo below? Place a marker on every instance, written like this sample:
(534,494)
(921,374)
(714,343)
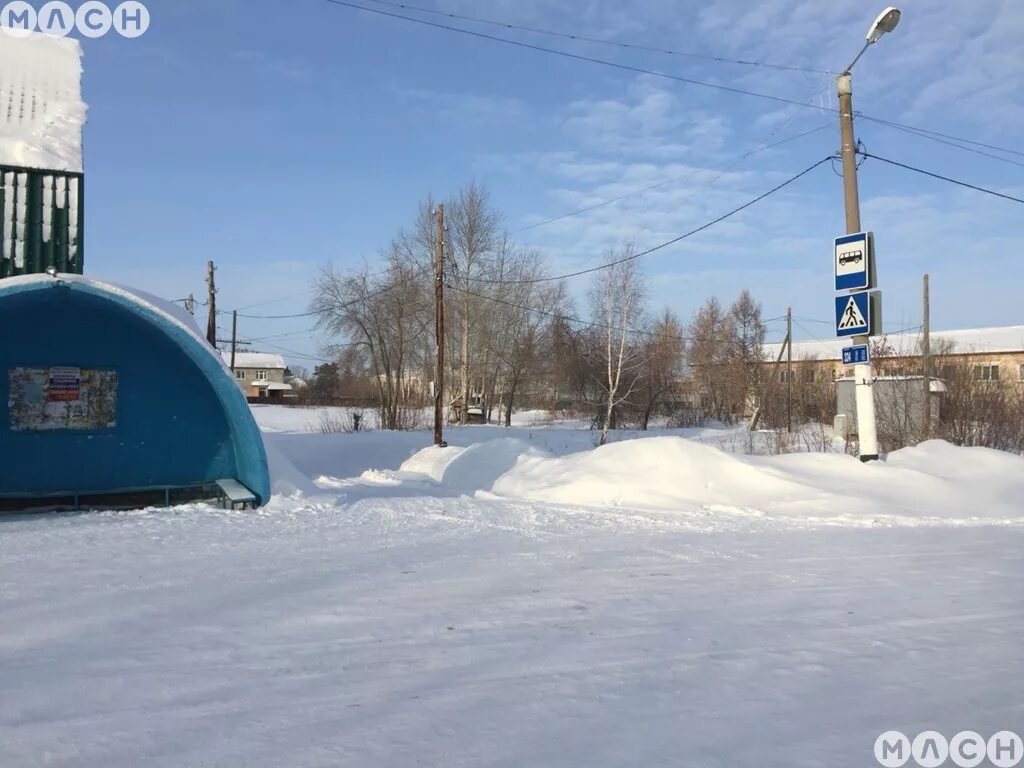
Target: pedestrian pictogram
(852,318)
(853,314)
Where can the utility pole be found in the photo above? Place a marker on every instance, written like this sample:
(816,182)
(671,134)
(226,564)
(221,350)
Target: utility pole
(211,322)
(789,369)
(234,337)
(769,388)
(926,364)
(867,433)
(867,430)
(439,330)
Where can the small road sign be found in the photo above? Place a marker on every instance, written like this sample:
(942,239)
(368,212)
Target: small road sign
(856,354)
(853,314)
(853,261)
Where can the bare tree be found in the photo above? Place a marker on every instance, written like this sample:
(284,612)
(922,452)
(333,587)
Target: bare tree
(522,326)
(712,343)
(617,297)
(473,238)
(386,316)
(664,350)
(747,342)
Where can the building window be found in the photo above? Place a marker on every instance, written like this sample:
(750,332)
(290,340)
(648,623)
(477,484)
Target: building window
(986,372)
(809,376)
(1020,374)
(261,375)
(240,375)
(785,376)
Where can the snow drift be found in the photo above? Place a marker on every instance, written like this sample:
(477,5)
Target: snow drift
(934,479)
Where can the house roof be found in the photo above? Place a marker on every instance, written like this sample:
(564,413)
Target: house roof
(41,107)
(977,340)
(272,386)
(262,360)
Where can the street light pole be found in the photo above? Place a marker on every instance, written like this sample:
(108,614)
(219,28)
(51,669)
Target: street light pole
(867,432)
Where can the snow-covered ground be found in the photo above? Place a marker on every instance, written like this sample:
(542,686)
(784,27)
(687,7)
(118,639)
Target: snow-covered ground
(521,599)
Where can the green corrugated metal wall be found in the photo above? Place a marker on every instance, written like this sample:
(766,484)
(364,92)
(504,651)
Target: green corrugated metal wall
(41,221)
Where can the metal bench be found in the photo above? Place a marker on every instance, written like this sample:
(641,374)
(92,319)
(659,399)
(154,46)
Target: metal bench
(235,493)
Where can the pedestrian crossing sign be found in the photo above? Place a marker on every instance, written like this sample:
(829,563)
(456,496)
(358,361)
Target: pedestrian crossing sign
(853,314)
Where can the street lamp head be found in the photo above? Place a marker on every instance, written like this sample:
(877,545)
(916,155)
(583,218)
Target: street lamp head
(886,22)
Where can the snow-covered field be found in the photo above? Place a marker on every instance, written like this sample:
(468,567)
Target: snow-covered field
(521,599)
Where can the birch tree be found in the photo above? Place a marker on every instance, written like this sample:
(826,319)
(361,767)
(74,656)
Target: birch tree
(617,297)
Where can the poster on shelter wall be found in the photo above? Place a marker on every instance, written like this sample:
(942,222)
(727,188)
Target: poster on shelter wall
(44,399)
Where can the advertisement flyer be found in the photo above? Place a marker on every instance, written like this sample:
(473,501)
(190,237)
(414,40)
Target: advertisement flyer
(44,399)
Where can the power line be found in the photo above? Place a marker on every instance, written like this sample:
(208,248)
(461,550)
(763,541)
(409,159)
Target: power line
(371,295)
(654,73)
(305,331)
(273,301)
(568,54)
(572,318)
(813,320)
(921,133)
(837,341)
(277,317)
(674,179)
(598,40)
(674,240)
(945,178)
(931,133)
(296,353)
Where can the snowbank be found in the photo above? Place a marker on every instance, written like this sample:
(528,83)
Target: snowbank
(285,479)
(473,468)
(934,480)
(681,472)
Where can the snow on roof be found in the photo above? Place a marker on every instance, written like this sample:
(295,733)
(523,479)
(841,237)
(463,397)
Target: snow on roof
(977,340)
(41,107)
(266,360)
(272,386)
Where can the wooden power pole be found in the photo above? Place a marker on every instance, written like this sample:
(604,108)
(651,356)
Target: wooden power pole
(439,330)
(211,323)
(769,388)
(234,337)
(926,364)
(789,369)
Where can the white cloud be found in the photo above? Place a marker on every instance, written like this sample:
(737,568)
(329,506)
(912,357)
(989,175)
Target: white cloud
(475,107)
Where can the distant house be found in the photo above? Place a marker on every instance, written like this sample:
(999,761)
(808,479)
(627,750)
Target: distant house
(260,374)
(995,354)
(991,355)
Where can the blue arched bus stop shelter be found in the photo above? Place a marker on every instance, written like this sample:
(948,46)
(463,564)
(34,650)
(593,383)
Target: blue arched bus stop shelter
(111,399)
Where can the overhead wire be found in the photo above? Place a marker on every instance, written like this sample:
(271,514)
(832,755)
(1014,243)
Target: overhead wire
(597,40)
(925,135)
(572,318)
(651,72)
(667,243)
(738,159)
(939,176)
(569,54)
(938,134)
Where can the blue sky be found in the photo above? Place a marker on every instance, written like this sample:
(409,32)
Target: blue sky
(275,137)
